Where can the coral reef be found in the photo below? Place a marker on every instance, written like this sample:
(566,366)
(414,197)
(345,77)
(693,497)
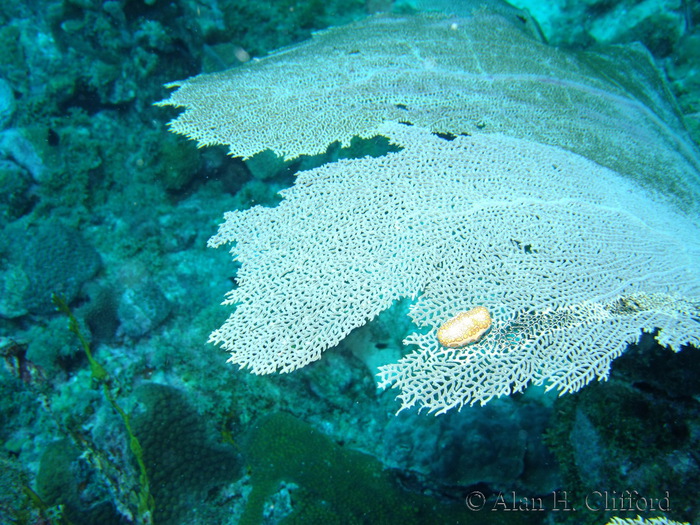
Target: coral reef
(100,203)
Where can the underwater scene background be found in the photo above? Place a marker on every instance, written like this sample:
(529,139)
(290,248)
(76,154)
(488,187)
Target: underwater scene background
(115,409)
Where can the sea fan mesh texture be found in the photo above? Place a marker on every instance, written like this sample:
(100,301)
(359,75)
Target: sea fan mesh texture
(644,521)
(572,260)
(556,212)
(450,75)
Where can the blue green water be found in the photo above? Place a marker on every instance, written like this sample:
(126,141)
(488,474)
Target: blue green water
(101,204)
